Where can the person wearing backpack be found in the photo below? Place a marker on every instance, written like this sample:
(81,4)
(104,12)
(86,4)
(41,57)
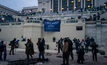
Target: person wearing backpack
(70,49)
(87,45)
(12,44)
(80,53)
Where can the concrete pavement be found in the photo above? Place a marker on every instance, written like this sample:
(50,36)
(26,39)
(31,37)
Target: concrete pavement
(20,54)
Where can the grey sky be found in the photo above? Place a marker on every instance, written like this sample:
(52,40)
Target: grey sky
(18,4)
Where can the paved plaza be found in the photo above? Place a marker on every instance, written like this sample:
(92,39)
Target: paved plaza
(54,60)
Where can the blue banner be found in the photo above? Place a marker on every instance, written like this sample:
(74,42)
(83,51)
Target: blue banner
(52,26)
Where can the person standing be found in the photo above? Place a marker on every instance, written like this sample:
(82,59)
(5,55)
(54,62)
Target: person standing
(39,40)
(70,49)
(12,44)
(5,52)
(43,41)
(82,43)
(1,49)
(87,45)
(94,50)
(59,46)
(91,40)
(41,50)
(29,48)
(65,52)
(80,53)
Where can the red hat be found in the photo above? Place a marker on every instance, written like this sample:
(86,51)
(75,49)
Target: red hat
(82,39)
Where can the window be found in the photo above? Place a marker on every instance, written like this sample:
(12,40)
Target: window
(79,27)
(88,0)
(78,0)
(43,4)
(72,1)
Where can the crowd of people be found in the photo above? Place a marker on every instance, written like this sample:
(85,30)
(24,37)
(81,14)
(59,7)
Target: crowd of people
(82,47)
(65,45)
(8,18)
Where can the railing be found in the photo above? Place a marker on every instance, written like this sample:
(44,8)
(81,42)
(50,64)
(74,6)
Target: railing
(71,21)
(4,24)
(13,23)
(90,22)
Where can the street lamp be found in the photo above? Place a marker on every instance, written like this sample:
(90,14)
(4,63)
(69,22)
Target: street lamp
(40,10)
(51,10)
(30,11)
(20,12)
(2,18)
(62,8)
(75,7)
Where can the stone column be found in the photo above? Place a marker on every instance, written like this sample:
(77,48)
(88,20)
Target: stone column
(52,5)
(99,33)
(92,3)
(84,3)
(58,5)
(61,5)
(95,3)
(74,4)
(67,5)
(81,3)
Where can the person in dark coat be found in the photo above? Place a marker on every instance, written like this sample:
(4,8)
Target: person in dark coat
(80,55)
(39,40)
(41,50)
(94,50)
(12,44)
(1,49)
(29,49)
(70,49)
(5,52)
(65,52)
(59,46)
(43,41)
(91,40)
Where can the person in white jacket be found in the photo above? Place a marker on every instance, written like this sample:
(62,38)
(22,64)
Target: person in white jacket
(82,43)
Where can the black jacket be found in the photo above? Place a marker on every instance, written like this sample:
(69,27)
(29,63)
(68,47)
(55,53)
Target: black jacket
(94,48)
(41,47)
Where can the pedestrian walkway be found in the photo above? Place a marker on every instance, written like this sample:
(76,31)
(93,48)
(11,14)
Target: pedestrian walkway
(54,60)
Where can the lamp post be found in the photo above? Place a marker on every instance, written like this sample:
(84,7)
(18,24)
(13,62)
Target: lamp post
(50,10)
(2,18)
(20,12)
(62,9)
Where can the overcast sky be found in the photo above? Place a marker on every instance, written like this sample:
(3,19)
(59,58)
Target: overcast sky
(18,4)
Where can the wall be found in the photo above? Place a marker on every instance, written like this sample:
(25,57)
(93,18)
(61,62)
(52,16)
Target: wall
(66,30)
(9,32)
(34,30)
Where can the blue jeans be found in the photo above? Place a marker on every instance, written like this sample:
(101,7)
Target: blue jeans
(40,53)
(0,55)
(76,48)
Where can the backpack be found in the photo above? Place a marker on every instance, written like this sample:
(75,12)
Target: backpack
(11,42)
(70,46)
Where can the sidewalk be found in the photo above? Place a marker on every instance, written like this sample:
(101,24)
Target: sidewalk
(54,60)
